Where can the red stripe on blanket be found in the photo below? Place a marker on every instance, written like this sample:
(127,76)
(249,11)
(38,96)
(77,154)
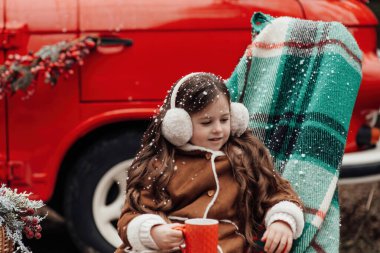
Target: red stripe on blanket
(321,214)
(265,45)
(315,212)
(316,246)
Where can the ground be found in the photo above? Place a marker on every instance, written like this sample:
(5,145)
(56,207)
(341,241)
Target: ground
(360,218)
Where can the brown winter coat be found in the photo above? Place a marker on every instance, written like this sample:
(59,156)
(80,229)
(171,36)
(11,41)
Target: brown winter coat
(191,188)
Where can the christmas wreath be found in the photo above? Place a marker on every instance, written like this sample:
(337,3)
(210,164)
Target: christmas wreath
(18,216)
(21,72)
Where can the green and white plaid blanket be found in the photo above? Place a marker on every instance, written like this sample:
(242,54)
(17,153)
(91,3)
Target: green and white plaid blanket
(299,80)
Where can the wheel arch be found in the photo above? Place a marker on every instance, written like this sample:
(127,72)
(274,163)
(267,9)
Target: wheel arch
(91,133)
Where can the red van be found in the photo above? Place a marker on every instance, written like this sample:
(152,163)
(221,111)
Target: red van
(71,144)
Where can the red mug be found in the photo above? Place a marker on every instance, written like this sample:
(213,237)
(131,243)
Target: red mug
(201,236)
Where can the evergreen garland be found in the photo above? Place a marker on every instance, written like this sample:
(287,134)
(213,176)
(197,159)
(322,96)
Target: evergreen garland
(20,72)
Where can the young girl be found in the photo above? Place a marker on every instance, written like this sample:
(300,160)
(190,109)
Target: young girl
(199,160)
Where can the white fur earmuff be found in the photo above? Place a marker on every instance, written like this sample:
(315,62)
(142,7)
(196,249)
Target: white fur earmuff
(177,127)
(239,118)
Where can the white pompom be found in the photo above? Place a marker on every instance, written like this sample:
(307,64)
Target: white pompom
(239,119)
(177,127)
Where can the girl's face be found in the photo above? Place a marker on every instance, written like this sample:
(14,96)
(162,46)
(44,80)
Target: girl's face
(211,126)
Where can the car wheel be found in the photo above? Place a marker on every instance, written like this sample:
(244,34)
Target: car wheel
(95,191)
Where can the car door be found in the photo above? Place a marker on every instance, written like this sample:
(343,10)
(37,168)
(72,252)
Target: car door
(164,40)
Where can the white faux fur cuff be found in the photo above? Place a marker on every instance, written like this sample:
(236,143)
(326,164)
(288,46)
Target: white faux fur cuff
(293,210)
(138,231)
(283,217)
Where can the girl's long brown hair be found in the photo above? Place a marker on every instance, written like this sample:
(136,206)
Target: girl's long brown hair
(260,185)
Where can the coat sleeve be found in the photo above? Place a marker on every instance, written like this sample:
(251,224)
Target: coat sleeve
(134,227)
(288,212)
(285,206)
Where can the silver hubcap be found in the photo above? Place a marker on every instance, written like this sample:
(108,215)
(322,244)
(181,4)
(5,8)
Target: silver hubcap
(104,213)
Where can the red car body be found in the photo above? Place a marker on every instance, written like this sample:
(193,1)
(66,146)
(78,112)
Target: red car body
(121,86)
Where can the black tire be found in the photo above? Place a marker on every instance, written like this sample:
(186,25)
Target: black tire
(82,180)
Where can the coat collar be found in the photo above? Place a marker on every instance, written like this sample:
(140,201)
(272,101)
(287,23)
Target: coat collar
(190,147)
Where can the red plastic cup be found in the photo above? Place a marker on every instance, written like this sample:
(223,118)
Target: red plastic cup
(201,236)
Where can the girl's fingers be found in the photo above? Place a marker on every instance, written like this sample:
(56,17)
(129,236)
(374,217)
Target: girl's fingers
(264,236)
(282,244)
(268,240)
(176,239)
(175,244)
(176,233)
(173,225)
(276,240)
(289,244)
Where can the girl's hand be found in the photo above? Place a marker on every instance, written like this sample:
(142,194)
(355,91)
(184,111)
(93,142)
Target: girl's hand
(166,237)
(278,238)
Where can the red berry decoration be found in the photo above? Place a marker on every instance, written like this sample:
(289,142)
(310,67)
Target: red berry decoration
(37,235)
(30,235)
(38,228)
(34,221)
(30,211)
